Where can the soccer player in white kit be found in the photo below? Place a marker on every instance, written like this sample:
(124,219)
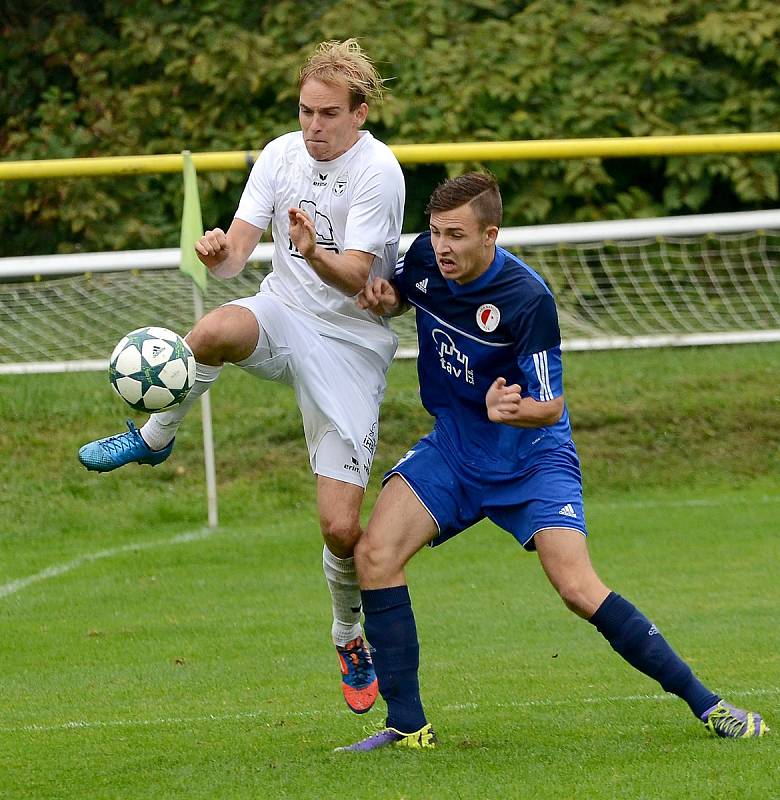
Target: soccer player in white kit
(334,198)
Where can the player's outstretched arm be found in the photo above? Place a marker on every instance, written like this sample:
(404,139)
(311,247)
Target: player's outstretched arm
(226,254)
(381,297)
(506,404)
(347,271)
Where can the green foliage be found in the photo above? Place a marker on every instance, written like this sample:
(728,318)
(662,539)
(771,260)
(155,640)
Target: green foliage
(116,78)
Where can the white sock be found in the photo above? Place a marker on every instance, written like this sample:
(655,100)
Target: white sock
(161,427)
(345,595)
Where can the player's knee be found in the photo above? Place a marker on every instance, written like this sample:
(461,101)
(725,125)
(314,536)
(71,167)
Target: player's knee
(371,561)
(575,596)
(229,333)
(341,533)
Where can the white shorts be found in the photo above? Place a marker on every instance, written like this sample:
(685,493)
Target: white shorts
(339,387)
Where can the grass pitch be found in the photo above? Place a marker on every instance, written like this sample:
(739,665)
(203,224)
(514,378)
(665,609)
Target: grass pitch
(145,656)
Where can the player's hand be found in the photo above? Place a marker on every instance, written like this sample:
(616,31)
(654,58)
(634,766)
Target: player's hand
(379,296)
(303,234)
(503,402)
(212,248)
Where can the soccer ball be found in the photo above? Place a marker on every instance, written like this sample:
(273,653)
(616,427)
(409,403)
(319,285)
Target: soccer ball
(152,369)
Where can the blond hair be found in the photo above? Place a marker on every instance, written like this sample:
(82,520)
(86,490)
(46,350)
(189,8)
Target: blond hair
(344,63)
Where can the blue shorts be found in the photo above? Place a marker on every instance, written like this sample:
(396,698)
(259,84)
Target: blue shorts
(545,494)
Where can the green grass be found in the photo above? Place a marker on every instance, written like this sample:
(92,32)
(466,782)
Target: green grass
(143,656)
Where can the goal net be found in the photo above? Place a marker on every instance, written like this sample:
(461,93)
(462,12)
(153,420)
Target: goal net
(633,283)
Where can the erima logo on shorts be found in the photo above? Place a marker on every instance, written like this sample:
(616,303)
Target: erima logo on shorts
(353,467)
(488,317)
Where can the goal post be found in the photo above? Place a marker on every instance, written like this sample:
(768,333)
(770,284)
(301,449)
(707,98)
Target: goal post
(667,281)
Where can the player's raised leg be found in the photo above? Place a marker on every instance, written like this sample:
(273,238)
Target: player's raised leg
(563,554)
(227,334)
(399,527)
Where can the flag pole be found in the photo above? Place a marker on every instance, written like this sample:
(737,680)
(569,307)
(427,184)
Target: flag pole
(191,231)
(208,436)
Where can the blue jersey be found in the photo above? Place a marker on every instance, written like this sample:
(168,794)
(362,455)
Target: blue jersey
(503,324)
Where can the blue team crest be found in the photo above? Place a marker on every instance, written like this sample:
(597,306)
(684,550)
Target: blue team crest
(488,317)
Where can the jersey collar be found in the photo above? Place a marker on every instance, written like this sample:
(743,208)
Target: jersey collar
(496,265)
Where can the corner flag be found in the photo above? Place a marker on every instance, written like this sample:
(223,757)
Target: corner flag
(191,225)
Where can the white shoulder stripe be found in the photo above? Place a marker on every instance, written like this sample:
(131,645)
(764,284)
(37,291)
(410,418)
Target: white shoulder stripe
(458,330)
(543,373)
(547,385)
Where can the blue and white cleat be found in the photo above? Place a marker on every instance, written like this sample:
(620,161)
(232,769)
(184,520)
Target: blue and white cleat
(103,455)
(731,722)
(424,739)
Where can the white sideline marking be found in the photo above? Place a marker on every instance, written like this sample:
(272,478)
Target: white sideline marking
(56,570)
(142,723)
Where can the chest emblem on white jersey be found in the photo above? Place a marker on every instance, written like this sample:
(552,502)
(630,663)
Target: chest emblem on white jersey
(322,226)
(488,317)
(321,179)
(339,186)
(451,360)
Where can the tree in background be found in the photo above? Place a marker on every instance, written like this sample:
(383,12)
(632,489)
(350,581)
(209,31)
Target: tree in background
(113,78)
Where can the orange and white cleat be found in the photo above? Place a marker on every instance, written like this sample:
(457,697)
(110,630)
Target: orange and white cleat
(358,679)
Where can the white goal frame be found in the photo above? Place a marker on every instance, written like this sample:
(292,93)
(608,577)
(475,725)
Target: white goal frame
(32,267)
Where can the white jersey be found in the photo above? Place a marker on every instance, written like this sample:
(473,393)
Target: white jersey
(356,201)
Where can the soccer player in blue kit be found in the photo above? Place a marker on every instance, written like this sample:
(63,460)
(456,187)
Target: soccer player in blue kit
(490,373)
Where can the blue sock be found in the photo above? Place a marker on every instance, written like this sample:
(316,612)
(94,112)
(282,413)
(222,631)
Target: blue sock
(633,636)
(390,628)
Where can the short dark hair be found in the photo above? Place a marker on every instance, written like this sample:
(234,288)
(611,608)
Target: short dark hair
(479,189)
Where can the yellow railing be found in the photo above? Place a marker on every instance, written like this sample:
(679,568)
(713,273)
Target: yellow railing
(412,154)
